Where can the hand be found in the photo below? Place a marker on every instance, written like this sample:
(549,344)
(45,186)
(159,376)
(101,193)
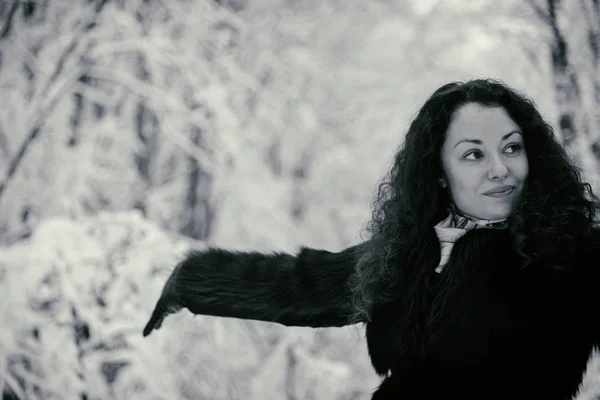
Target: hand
(170,302)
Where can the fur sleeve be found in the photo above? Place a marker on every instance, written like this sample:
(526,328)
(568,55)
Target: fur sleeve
(309,289)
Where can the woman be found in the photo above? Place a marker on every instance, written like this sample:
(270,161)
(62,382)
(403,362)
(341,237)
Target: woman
(479,275)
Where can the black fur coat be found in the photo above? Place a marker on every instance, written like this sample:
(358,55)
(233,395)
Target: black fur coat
(507,332)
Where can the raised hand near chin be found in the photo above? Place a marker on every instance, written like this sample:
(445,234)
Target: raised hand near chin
(170,302)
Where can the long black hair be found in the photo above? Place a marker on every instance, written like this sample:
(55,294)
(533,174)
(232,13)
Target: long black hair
(554,212)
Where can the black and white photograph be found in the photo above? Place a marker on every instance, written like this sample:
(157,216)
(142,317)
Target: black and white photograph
(299,199)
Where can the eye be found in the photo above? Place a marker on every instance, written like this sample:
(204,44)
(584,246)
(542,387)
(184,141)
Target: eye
(515,146)
(476,153)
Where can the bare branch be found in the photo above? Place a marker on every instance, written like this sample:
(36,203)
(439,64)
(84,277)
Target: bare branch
(69,82)
(4,141)
(23,55)
(84,27)
(12,168)
(34,132)
(540,11)
(7,25)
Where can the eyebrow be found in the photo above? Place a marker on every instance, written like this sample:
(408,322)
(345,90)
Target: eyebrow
(477,141)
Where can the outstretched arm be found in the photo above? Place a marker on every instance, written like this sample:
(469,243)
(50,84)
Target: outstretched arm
(308,289)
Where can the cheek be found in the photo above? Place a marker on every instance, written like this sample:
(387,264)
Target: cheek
(522,169)
(465,178)
(465,182)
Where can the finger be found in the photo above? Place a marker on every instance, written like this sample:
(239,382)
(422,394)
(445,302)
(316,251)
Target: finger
(155,321)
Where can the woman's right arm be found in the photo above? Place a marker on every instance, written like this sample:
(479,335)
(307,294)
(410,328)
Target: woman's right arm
(307,289)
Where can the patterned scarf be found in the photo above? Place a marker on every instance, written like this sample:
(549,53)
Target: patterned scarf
(455,226)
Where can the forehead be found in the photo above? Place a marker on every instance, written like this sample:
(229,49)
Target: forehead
(475,121)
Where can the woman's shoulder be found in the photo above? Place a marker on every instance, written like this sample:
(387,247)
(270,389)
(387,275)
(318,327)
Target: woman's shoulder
(595,240)
(590,254)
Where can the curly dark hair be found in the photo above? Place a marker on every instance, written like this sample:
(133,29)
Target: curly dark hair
(554,212)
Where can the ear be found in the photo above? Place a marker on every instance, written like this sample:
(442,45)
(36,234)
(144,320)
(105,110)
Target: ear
(443,183)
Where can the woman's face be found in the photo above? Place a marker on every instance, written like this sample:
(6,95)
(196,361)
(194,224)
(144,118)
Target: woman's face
(484,161)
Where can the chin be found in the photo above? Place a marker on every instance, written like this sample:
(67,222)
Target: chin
(491,214)
(497,214)
(488,211)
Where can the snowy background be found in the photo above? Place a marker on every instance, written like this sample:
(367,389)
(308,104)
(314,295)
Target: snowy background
(131,130)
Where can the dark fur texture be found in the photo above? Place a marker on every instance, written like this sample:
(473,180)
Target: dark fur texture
(309,289)
(507,331)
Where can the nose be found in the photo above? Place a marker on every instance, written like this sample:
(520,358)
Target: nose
(497,170)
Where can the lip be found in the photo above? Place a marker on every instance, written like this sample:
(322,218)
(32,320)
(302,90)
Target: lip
(500,191)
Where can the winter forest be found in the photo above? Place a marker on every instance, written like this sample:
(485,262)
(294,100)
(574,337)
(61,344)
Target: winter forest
(133,130)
